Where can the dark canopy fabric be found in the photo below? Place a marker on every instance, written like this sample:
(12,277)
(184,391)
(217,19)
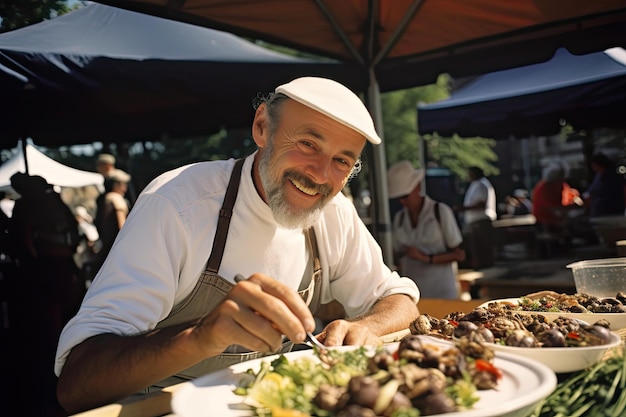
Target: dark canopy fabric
(587,91)
(103,73)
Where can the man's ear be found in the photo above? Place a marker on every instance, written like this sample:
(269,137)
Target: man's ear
(260,126)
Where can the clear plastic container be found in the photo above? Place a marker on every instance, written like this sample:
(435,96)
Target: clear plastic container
(600,277)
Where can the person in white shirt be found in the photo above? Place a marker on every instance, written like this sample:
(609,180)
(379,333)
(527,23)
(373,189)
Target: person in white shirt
(479,210)
(157,308)
(426,238)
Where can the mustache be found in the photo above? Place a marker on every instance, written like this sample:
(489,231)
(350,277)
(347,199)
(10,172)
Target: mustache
(323,189)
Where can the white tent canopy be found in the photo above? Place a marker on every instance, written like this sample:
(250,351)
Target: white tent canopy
(54,172)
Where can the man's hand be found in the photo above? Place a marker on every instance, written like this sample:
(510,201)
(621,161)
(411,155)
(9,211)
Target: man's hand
(390,314)
(256,314)
(343,332)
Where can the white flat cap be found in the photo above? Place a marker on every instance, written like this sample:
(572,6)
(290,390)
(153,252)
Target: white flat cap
(333,100)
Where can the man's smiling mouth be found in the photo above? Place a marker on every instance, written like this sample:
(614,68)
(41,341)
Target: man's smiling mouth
(306,190)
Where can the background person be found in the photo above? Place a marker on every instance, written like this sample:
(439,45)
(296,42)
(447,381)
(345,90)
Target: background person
(518,204)
(479,210)
(46,292)
(553,201)
(158,308)
(111,214)
(606,193)
(105,164)
(427,247)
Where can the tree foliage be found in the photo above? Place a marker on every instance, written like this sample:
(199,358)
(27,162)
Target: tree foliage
(402,141)
(17,14)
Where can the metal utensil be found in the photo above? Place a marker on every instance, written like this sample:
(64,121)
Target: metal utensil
(312,340)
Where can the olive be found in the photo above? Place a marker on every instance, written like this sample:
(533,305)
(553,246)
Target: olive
(363,391)
(436,403)
(464,329)
(600,331)
(551,338)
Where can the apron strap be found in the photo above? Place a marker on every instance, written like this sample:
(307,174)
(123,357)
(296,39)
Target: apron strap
(223,222)
(314,291)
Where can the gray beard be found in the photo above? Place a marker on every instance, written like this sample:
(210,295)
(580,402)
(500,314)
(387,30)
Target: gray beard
(284,214)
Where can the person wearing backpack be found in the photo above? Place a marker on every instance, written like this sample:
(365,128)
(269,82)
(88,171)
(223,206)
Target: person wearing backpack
(426,238)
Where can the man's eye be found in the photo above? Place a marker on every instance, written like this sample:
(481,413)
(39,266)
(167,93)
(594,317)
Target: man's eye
(305,145)
(344,162)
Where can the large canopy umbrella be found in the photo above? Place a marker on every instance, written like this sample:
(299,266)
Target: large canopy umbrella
(588,91)
(406,43)
(104,73)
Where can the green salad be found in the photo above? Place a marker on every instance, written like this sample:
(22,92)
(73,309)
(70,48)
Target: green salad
(416,379)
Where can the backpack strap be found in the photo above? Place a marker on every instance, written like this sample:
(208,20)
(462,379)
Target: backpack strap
(438,217)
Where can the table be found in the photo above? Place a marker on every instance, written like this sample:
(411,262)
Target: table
(158,404)
(515,229)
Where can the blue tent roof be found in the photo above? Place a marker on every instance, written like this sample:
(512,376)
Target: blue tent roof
(103,73)
(587,91)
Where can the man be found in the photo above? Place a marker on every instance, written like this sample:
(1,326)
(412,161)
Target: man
(112,211)
(158,308)
(479,209)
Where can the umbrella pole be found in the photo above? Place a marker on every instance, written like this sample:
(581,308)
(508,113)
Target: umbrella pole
(382,223)
(23,141)
(422,160)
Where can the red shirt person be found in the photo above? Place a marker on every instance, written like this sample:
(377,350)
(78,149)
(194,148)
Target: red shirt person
(551,198)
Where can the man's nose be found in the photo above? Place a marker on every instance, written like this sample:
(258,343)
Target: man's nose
(319,170)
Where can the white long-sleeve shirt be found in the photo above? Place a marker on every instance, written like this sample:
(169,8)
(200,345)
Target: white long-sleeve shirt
(163,247)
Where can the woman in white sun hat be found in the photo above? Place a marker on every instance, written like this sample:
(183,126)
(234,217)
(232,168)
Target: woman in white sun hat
(426,238)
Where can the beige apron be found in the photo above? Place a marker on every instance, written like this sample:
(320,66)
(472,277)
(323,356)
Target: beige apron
(211,289)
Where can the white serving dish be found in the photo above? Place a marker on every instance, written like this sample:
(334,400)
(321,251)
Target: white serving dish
(563,359)
(524,384)
(616,320)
